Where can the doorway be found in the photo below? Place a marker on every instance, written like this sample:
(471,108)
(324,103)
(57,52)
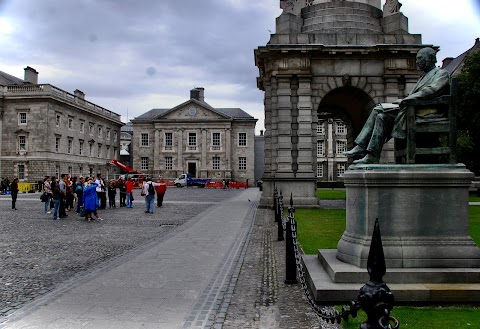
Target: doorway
(192,169)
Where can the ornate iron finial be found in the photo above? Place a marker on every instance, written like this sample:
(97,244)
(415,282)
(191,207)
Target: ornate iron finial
(376,259)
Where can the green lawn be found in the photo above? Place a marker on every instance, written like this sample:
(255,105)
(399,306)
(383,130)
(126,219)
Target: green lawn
(331,194)
(323,228)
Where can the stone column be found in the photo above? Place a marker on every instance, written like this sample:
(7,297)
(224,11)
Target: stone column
(180,151)
(228,153)
(203,165)
(306,121)
(284,127)
(156,151)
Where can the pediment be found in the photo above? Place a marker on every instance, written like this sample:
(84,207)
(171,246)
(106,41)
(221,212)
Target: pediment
(193,110)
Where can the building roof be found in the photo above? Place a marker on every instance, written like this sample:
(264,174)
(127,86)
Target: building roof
(454,65)
(232,113)
(8,80)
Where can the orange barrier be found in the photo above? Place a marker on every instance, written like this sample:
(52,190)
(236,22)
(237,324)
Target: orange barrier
(214,185)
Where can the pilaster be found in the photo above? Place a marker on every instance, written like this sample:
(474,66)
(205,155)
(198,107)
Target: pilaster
(284,127)
(156,151)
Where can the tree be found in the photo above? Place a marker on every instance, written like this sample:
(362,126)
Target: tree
(468,115)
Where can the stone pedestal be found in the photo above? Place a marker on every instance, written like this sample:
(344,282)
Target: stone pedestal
(305,188)
(423,215)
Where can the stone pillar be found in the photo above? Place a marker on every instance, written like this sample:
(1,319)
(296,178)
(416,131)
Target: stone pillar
(156,152)
(284,130)
(306,120)
(180,164)
(228,153)
(203,165)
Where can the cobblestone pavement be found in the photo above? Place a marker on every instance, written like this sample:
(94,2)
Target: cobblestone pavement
(38,253)
(261,299)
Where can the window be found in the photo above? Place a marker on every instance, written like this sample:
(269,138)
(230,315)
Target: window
(144,139)
(108,133)
(341,128)
(320,148)
(192,139)
(341,146)
(340,169)
(168,163)
(70,123)
(99,150)
(108,152)
(80,147)
(216,163)
(90,128)
(242,163)
(82,127)
(114,152)
(57,171)
(21,171)
(80,171)
(22,143)
(69,171)
(144,163)
(319,169)
(57,120)
(242,139)
(69,146)
(90,149)
(168,139)
(320,128)
(22,118)
(215,141)
(100,131)
(57,144)
(115,135)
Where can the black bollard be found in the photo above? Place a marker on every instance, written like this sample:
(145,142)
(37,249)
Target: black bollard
(275,203)
(375,297)
(290,262)
(280,218)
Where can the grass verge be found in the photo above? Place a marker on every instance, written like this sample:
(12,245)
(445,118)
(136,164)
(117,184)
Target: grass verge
(331,194)
(323,228)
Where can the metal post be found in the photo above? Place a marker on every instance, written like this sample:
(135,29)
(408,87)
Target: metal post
(280,218)
(375,297)
(275,203)
(290,262)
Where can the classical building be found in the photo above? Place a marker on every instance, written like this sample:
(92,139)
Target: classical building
(195,138)
(454,65)
(335,57)
(45,130)
(331,143)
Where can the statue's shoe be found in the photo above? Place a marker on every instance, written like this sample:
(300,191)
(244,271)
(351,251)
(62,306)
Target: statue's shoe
(368,159)
(356,151)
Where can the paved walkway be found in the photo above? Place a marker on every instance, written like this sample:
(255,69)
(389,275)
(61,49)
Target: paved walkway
(182,282)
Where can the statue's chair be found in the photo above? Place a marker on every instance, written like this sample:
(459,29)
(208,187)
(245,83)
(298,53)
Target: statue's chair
(430,140)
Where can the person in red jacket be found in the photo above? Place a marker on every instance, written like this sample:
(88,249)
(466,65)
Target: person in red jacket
(129,191)
(160,190)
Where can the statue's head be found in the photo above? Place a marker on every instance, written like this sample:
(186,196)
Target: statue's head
(426,58)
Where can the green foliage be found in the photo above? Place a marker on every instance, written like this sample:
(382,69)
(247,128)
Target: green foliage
(468,120)
(474,223)
(331,194)
(428,317)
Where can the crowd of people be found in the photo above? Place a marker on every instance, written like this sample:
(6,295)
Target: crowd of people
(87,195)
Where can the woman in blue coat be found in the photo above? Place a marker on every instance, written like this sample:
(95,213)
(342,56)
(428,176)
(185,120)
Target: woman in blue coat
(90,199)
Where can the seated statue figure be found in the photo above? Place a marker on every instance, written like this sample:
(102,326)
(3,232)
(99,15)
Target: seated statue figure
(388,120)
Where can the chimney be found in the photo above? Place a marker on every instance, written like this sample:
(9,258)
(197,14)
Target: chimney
(446,61)
(79,94)
(31,75)
(198,94)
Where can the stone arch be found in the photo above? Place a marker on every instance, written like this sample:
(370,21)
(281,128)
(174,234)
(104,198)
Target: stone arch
(349,103)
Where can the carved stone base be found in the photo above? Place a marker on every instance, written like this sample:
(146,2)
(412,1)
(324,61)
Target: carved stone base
(423,215)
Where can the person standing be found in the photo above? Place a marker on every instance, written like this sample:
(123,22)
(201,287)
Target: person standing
(56,197)
(148,190)
(47,189)
(14,192)
(160,189)
(129,192)
(112,193)
(79,191)
(63,189)
(122,190)
(101,194)
(90,199)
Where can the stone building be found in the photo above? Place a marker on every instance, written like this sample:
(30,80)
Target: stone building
(331,143)
(335,57)
(45,130)
(195,138)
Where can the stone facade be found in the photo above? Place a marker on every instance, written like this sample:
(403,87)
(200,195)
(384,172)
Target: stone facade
(47,131)
(334,57)
(195,138)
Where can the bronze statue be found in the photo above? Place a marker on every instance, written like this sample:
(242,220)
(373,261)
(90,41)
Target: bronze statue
(387,120)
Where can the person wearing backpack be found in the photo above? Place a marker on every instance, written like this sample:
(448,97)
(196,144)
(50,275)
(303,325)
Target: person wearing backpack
(148,190)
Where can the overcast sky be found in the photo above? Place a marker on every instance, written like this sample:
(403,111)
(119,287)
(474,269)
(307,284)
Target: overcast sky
(135,55)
